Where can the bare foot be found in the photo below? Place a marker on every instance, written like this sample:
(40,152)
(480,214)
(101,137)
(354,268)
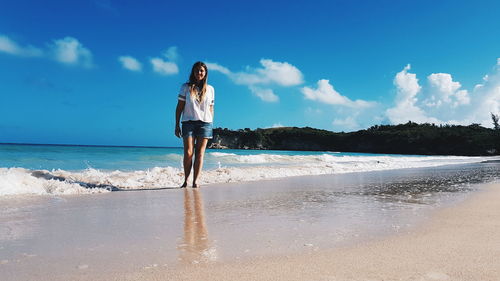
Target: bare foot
(195,185)
(184,185)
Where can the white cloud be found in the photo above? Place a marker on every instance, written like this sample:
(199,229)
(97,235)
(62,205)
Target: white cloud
(407,85)
(405,112)
(70,51)
(445,90)
(447,103)
(325,93)
(406,109)
(485,100)
(271,73)
(347,111)
(348,123)
(275,125)
(218,67)
(264,94)
(67,50)
(171,54)
(164,67)
(444,84)
(9,46)
(281,73)
(130,63)
(462,97)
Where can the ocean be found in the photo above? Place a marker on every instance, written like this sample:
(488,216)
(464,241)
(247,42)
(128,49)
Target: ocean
(68,169)
(70,211)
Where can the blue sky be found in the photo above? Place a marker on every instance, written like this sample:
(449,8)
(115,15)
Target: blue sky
(108,72)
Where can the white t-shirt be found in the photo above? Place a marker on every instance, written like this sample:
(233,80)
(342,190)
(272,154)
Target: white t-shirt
(194,110)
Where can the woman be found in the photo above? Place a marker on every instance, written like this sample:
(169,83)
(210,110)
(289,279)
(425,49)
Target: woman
(196,105)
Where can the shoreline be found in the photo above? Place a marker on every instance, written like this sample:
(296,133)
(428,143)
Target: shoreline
(459,242)
(329,227)
(91,180)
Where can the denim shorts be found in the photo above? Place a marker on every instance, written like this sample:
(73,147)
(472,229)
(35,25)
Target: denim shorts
(197,129)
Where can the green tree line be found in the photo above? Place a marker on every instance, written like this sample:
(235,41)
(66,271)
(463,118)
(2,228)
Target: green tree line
(409,138)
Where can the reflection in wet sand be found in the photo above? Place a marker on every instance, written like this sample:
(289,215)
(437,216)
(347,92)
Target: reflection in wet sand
(196,246)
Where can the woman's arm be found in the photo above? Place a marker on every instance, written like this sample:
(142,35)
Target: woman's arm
(212,103)
(178,112)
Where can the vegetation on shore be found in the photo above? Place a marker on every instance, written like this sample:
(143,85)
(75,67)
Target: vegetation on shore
(409,138)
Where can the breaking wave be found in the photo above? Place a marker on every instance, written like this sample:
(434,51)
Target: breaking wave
(231,168)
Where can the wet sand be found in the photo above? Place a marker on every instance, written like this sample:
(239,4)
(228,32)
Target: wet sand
(364,226)
(458,243)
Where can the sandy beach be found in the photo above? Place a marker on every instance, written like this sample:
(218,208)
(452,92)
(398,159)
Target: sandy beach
(458,243)
(342,227)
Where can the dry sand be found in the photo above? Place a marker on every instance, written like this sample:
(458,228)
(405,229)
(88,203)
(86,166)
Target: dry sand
(458,243)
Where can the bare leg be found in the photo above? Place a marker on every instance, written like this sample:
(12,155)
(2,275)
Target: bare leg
(188,158)
(201,144)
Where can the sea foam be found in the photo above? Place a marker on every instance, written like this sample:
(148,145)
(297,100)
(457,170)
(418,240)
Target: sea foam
(20,181)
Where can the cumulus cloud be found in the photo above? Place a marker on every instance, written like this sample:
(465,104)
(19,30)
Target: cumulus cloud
(260,79)
(446,91)
(11,47)
(271,72)
(407,86)
(70,51)
(446,102)
(281,73)
(130,63)
(406,108)
(486,99)
(164,67)
(462,97)
(325,93)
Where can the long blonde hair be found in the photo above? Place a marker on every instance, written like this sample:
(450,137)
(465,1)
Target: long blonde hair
(194,84)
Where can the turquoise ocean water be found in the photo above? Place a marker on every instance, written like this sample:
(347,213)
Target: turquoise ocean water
(68,157)
(67,169)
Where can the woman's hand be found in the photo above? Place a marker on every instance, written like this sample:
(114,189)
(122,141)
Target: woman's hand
(178,113)
(177,131)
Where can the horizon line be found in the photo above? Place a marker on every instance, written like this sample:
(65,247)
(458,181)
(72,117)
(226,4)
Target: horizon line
(87,145)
